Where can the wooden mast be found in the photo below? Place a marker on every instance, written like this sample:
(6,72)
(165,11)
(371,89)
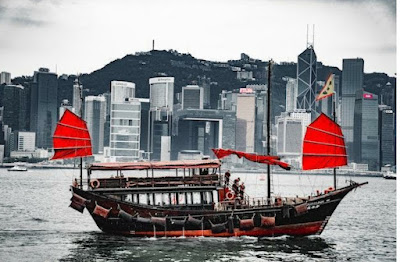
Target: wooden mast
(334,120)
(269,130)
(80,114)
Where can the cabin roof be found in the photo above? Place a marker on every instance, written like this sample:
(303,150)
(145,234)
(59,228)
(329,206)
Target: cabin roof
(177,164)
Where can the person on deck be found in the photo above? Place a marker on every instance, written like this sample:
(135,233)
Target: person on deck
(235,186)
(227,176)
(241,190)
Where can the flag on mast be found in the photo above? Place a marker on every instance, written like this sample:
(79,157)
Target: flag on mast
(328,89)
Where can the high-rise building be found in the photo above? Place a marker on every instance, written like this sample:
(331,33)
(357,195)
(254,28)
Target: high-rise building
(386,136)
(245,122)
(125,122)
(44,107)
(106,142)
(95,116)
(23,141)
(5,78)
(15,107)
(366,138)
(160,116)
(352,80)
(65,104)
(307,79)
(77,97)
(162,92)
(192,97)
(291,94)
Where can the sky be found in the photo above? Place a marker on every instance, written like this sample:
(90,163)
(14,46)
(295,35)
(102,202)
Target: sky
(81,36)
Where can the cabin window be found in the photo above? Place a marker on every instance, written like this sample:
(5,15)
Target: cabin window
(165,199)
(196,198)
(182,200)
(158,199)
(143,199)
(189,198)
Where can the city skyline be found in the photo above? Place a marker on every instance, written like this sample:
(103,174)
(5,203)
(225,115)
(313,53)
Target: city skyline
(268,24)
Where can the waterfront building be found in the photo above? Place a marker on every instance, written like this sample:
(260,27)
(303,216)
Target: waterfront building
(77,97)
(307,79)
(291,94)
(352,80)
(106,142)
(245,122)
(144,126)
(160,116)
(192,97)
(15,107)
(387,139)
(205,83)
(95,116)
(366,139)
(43,113)
(65,104)
(125,122)
(5,78)
(23,141)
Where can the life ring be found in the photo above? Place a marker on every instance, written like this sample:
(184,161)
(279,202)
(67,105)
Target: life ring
(229,195)
(95,183)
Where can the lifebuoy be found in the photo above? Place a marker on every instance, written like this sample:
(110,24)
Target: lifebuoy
(229,195)
(95,183)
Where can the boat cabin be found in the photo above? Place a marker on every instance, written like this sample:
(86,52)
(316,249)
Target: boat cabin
(182,184)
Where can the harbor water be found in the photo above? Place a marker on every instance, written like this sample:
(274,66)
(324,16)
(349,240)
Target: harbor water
(36,224)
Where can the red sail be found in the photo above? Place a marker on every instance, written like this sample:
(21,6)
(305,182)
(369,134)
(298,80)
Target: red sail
(323,145)
(71,138)
(270,160)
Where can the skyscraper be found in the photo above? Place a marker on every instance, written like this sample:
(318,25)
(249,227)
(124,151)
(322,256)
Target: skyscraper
(192,97)
(5,78)
(245,122)
(291,94)
(307,79)
(15,107)
(44,107)
(160,116)
(65,104)
(77,97)
(352,80)
(366,139)
(386,136)
(125,122)
(95,116)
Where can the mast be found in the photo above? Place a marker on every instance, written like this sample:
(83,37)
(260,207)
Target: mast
(334,120)
(269,130)
(80,114)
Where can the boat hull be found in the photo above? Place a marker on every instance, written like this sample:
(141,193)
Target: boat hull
(287,219)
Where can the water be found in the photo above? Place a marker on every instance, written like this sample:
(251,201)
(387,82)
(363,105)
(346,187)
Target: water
(36,224)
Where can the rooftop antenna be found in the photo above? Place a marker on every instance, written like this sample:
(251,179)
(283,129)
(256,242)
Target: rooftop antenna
(307,37)
(153,45)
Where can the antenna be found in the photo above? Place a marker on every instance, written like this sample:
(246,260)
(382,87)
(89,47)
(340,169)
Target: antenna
(153,45)
(313,34)
(307,38)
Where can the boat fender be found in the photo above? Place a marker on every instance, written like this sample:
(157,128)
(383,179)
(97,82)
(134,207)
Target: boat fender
(159,221)
(143,220)
(178,222)
(125,216)
(229,195)
(267,221)
(246,224)
(94,183)
(194,221)
(301,209)
(101,211)
(230,224)
(218,228)
(78,203)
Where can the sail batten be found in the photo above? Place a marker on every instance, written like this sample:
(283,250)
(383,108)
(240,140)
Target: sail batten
(323,145)
(71,138)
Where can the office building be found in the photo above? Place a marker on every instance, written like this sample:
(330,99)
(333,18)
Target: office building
(192,97)
(160,117)
(65,104)
(77,97)
(125,122)
(291,94)
(307,79)
(387,139)
(44,107)
(5,78)
(245,122)
(23,141)
(15,107)
(366,137)
(352,80)
(95,116)
(106,142)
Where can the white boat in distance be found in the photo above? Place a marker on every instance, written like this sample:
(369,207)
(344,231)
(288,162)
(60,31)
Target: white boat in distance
(389,175)
(18,168)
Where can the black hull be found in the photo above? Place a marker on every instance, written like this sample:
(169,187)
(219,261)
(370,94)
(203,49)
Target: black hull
(288,221)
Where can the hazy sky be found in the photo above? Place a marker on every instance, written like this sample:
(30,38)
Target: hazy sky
(84,35)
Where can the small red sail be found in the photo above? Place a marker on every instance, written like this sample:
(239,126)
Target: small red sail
(71,138)
(323,145)
(270,160)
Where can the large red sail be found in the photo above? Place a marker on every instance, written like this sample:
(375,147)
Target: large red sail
(71,138)
(323,145)
(270,160)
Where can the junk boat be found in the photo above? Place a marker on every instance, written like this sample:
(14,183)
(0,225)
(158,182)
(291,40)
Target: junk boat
(191,198)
